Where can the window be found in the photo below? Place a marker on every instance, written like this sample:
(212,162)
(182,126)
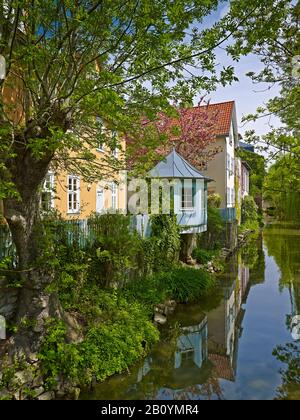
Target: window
(228,162)
(73,194)
(101,147)
(100,200)
(232,166)
(230,197)
(47,198)
(114,196)
(188,194)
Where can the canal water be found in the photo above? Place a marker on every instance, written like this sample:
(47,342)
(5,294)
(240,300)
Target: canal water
(237,344)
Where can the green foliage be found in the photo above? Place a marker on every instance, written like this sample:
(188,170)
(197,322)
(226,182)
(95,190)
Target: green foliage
(249,213)
(58,359)
(214,237)
(186,284)
(116,324)
(214,200)
(289,355)
(203,256)
(164,244)
(113,341)
(282,189)
(113,252)
(258,173)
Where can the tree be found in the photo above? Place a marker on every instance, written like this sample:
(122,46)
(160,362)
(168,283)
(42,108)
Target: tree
(191,131)
(258,172)
(71,65)
(282,188)
(274,37)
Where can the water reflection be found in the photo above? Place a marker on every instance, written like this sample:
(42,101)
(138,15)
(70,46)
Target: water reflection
(286,254)
(221,347)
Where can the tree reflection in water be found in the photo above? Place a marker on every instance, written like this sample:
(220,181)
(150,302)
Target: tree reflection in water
(284,246)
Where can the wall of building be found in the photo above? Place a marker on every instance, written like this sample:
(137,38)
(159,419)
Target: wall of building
(87,195)
(216,170)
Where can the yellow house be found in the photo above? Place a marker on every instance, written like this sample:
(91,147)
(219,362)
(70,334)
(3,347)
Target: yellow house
(74,198)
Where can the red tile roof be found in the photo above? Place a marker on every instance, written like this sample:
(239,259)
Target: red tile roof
(222,112)
(222,367)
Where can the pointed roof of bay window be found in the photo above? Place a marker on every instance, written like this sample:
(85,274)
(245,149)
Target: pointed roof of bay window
(175,166)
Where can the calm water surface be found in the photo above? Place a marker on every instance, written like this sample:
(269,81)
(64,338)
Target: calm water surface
(236,344)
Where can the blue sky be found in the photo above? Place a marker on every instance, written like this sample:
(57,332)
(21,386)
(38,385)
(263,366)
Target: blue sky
(248,96)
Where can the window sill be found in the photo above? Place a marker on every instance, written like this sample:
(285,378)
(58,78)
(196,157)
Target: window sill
(188,210)
(73,212)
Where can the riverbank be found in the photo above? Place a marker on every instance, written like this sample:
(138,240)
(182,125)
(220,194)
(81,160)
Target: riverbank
(234,344)
(114,294)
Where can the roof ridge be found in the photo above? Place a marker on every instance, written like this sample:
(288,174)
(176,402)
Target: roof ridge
(210,105)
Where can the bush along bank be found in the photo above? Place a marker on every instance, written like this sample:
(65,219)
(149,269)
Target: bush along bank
(107,323)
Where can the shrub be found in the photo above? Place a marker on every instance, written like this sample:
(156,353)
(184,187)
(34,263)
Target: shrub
(214,200)
(213,238)
(186,284)
(113,253)
(250,213)
(115,339)
(161,250)
(202,256)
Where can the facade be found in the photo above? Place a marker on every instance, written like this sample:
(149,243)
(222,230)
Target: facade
(74,198)
(245,179)
(222,168)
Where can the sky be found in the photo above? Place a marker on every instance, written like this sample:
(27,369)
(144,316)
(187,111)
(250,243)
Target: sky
(248,96)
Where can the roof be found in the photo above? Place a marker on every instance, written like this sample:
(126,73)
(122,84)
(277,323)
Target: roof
(175,166)
(222,367)
(222,112)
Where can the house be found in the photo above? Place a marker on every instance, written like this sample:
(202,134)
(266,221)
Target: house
(222,168)
(75,198)
(185,189)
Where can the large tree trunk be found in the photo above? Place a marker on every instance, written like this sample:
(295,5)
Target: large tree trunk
(33,304)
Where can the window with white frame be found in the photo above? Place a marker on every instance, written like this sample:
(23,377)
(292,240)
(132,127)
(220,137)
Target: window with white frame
(114,196)
(188,194)
(73,194)
(47,196)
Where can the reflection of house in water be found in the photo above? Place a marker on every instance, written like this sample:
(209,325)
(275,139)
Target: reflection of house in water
(189,356)
(224,326)
(191,365)
(192,345)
